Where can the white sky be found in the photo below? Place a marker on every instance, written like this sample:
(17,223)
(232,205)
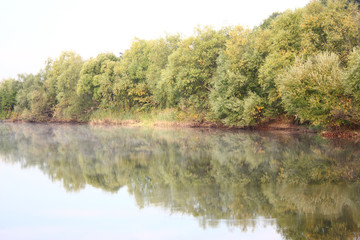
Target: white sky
(33,30)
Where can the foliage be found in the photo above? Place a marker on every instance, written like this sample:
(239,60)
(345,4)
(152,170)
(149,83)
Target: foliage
(159,51)
(96,81)
(235,95)
(267,22)
(60,85)
(32,102)
(29,83)
(232,75)
(312,90)
(131,87)
(191,67)
(333,27)
(283,44)
(352,83)
(40,107)
(8,91)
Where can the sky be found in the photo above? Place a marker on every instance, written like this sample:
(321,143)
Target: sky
(34,30)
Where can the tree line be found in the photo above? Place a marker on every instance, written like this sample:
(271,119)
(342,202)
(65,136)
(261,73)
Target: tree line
(303,64)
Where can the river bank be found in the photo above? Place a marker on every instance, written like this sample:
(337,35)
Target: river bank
(278,125)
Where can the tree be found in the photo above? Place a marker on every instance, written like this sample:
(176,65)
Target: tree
(24,98)
(61,81)
(284,43)
(333,27)
(313,90)
(131,87)
(159,51)
(97,79)
(8,90)
(191,68)
(352,84)
(235,96)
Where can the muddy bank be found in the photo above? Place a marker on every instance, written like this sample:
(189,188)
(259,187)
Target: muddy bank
(279,125)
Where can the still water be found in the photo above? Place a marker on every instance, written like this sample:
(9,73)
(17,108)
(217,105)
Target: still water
(81,182)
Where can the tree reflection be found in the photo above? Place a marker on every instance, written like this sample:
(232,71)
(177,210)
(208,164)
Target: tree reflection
(307,185)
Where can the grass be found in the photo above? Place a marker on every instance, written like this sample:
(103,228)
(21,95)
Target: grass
(169,116)
(141,118)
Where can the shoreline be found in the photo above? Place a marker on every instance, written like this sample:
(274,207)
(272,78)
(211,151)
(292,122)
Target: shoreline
(275,125)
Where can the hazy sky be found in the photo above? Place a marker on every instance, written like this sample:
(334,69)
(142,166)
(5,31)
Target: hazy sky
(33,30)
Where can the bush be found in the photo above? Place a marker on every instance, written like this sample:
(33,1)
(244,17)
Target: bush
(352,83)
(235,94)
(8,91)
(313,90)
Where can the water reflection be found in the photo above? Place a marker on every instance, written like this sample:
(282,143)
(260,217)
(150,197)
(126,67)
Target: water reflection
(306,186)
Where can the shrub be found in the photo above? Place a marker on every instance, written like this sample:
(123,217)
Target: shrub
(313,91)
(352,83)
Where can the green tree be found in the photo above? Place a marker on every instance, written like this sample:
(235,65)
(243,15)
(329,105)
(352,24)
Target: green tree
(313,90)
(97,79)
(131,87)
(29,84)
(8,90)
(284,43)
(159,51)
(267,22)
(352,84)
(61,82)
(235,95)
(333,27)
(191,68)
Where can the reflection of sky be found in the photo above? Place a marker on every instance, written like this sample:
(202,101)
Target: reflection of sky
(34,207)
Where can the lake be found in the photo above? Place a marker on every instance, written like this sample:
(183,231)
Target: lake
(61,181)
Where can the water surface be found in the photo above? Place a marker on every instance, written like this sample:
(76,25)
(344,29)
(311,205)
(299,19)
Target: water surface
(74,181)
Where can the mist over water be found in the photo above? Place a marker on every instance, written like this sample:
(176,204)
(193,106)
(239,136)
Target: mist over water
(295,186)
